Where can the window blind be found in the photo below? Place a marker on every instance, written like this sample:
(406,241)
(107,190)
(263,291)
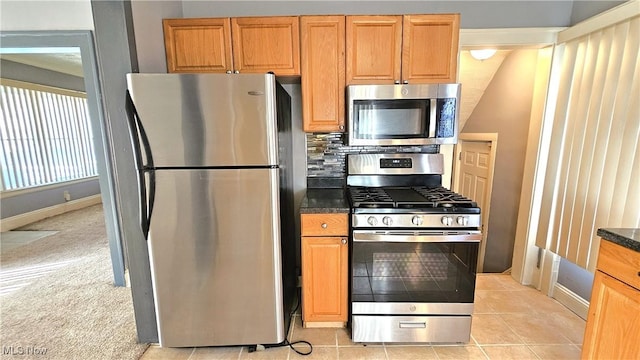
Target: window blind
(592,174)
(45,136)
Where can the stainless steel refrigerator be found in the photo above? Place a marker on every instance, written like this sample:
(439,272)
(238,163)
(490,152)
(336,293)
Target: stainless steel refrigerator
(213,153)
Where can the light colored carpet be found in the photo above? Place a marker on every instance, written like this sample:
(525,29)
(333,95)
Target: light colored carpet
(69,308)
(10,240)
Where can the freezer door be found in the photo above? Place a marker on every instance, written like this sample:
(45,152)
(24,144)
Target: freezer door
(199,120)
(214,244)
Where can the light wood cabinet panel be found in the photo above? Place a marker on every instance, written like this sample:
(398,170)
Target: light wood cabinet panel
(262,44)
(197,45)
(430,48)
(402,49)
(322,47)
(614,310)
(324,279)
(324,224)
(325,261)
(613,321)
(374,47)
(619,262)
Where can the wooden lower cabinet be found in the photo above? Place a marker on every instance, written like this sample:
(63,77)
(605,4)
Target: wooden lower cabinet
(324,270)
(613,321)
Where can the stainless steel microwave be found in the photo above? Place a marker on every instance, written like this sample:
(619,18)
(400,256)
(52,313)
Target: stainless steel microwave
(407,114)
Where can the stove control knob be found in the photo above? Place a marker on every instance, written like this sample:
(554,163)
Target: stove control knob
(372,221)
(387,221)
(462,220)
(447,220)
(416,220)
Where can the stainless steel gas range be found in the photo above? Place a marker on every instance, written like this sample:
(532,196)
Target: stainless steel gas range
(414,251)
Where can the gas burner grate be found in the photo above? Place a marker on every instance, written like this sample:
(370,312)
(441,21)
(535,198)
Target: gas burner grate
(370,197)
(443,197)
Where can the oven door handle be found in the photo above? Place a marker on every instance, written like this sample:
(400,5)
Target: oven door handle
(416,236)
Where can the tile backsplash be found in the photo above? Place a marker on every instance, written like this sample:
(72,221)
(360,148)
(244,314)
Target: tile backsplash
(326,153)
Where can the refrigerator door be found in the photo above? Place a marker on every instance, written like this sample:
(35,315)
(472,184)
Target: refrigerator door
(214,243)
(207,120)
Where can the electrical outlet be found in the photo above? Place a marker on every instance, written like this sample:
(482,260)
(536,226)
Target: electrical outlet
(67,196)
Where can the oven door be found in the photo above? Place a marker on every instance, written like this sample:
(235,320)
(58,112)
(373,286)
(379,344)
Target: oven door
(406,272)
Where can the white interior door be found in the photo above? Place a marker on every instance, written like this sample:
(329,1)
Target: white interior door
(474,179)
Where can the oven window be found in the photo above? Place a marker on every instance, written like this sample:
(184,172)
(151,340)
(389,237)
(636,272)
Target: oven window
(413,272)
(385,119)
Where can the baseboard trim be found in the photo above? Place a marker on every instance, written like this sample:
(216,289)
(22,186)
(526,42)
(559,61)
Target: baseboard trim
(572,301)
(17,221)
(323,324)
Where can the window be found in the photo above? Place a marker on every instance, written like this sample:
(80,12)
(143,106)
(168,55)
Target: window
(593,161)
(46,136)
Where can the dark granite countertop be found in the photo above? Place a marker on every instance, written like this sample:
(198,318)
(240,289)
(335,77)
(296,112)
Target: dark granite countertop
(629,238)
(317,201)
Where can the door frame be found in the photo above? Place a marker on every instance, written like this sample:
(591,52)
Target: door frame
(491,138)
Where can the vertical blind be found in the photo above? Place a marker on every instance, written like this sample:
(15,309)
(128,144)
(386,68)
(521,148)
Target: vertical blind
(593,170)
(46,136)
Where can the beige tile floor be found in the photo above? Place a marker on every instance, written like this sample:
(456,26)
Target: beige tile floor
(510,321)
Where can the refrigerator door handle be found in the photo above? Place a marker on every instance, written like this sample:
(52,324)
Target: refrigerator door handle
(139,136)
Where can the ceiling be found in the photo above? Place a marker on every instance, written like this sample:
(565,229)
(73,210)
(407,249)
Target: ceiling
(64,62)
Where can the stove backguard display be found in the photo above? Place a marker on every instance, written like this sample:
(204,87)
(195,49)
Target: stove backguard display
(413,272)
(405,163)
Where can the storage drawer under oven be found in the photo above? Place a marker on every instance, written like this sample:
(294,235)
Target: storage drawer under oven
(388,329)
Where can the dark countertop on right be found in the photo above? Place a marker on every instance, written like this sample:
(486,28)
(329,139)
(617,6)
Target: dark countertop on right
(627,237)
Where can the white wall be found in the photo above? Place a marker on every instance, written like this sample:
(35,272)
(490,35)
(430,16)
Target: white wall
(18,15)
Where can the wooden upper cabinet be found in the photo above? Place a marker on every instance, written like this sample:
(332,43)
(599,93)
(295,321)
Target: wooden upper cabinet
(197,45)
(374,45)
(262,44)
(430,48)
(402,49)
(322,53)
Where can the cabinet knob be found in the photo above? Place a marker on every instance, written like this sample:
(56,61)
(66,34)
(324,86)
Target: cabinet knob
(237,72)
(405,82)
(344,241)
(341,127)
(397,82)
(638,273)
(228,71)
(324,225)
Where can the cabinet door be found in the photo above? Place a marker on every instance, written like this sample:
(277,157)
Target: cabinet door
(374,45)
(262,44)
(324,279)
(197,45)
(430,48)
(613,320)
(323,80)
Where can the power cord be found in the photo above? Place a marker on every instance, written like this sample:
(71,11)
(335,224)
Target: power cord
(286,342)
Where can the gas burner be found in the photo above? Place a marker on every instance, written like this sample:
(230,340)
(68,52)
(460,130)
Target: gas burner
(418,197)
(443,197)
(370,197)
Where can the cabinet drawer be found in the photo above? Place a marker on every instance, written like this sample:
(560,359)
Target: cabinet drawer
(324,224)
(619,262)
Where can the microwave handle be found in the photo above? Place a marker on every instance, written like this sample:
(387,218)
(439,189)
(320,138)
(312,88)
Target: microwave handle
(432,117)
